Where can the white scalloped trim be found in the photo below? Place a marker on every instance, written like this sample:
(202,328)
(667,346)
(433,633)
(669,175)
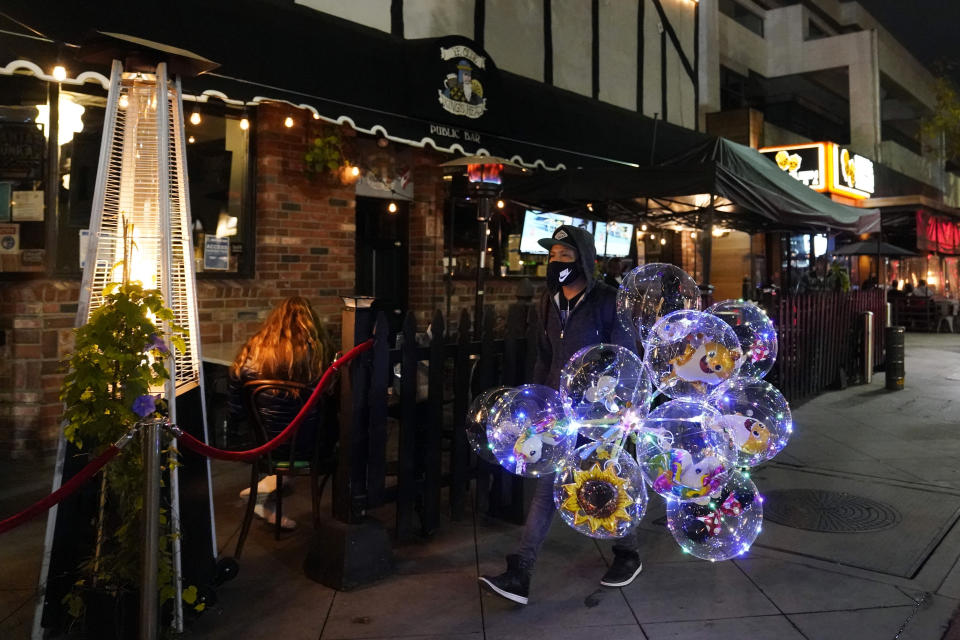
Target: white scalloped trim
(92,76)
(36,71)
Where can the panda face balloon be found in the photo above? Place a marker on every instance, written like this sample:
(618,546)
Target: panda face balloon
(651,291)
(689,353)
(754,330)
(528,432)
(605,389)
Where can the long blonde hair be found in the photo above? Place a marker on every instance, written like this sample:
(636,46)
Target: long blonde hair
(291,345)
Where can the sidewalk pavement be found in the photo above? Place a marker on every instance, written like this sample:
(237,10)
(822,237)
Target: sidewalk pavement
(859,542)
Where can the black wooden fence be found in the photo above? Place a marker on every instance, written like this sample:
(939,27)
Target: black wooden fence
(820,335)
(406,440)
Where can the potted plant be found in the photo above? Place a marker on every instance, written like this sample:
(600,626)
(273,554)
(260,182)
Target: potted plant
(115,373)
(325,156)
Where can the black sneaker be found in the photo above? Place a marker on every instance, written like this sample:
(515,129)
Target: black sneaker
(625,568)
(513,584)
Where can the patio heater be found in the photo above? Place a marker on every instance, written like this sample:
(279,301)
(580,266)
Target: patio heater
(141,188)
(484,182)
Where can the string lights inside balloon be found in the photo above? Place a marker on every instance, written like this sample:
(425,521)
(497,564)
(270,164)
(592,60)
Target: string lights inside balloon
(688,419)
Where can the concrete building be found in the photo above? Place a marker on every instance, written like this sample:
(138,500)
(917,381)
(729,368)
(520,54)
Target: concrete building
(786,72)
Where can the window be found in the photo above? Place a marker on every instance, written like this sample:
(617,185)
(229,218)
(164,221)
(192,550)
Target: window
(742,15)
(24,184)
(47,187)
(218,164)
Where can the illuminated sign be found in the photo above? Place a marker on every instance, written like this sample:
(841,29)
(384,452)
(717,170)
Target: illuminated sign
(805,162)
(852,174)
(825,167)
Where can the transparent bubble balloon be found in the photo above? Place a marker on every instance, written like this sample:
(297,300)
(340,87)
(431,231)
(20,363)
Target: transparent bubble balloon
(689,353)
(755,416)
(680,455)
(755,331)
(600,492)
(605,390)
(722,527)
(528,432)
(650,292)
(477,417)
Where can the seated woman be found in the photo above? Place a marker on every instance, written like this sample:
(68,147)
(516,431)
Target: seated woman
(291,346)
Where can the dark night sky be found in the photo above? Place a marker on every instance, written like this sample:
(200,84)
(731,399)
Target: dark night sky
(927,28)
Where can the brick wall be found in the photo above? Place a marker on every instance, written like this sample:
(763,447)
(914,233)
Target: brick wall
(37,319)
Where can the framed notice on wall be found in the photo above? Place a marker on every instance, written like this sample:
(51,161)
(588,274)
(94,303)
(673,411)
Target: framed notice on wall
(216,253)
(27,206)
(9,238)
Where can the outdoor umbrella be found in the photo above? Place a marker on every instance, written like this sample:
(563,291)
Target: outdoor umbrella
(872,248)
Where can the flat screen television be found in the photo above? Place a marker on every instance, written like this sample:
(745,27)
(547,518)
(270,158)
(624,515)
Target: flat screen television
(539,224)
(613,239)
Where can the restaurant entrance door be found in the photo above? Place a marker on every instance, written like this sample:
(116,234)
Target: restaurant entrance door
(383,256)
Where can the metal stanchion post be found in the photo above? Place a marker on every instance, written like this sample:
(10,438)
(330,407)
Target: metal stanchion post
(868,347)
(150,434)
(889,322)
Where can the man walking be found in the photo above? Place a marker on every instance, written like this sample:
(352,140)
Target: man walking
(577,312)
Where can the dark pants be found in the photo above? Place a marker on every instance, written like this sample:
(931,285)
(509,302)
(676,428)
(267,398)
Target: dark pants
(538,523)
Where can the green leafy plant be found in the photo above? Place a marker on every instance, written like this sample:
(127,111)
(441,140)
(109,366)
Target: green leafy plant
(115,373)
(324,155)
(944,122)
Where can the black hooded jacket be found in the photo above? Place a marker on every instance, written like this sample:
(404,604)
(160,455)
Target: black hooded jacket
(592,321)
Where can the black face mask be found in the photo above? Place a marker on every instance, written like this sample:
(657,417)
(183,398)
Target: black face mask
(562,274)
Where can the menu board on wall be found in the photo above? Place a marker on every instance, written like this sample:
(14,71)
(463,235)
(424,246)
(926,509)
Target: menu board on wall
(22,147)
(5,190)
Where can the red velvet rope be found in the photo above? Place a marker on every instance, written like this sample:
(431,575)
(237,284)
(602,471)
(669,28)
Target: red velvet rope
(190,442)
(250,455)
(68,488)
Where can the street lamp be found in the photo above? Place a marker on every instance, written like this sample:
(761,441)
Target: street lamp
(484,182)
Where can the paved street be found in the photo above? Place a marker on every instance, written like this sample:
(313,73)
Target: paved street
(880,561)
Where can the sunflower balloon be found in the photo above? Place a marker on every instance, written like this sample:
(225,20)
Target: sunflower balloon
(601,492)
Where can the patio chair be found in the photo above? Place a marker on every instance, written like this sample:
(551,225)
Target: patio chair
(271,406)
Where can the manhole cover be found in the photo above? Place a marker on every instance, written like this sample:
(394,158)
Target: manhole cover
(827,511)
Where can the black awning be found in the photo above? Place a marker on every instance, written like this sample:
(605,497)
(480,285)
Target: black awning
(353,74)
(753,194)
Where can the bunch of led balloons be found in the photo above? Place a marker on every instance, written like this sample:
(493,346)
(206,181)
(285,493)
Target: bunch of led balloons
(687,419)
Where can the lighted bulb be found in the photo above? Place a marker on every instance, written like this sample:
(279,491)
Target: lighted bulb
(663,241)
(195,117)
(244,124)
(288,122)
(501,204)
(643,227)
(316,116)
(693,234)
(392,207)
(59,73)
(354,171)
(191,140)
(124,101)
(653,236)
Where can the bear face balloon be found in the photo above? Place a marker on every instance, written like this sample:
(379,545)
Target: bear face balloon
(690,352)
